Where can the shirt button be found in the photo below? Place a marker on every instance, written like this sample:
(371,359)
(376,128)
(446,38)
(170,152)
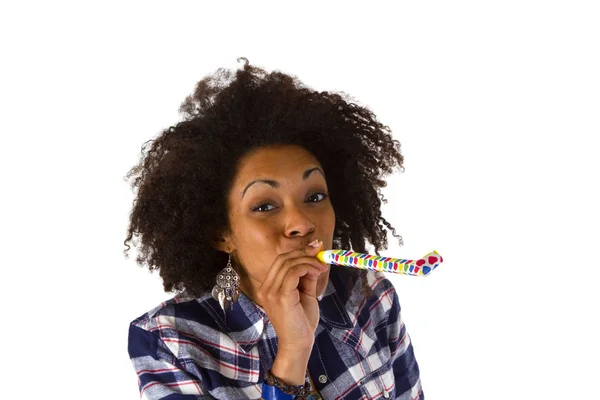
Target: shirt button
(323,378)
(386,394)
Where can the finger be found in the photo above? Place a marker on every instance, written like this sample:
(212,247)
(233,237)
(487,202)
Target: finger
(277,272)
(295,276)
(308,284)
(277,266)
(292,282)
(292,270)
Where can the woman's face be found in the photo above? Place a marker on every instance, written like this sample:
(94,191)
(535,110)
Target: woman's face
(278,203)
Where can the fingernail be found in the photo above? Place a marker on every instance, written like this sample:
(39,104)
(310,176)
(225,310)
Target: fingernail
(314,243)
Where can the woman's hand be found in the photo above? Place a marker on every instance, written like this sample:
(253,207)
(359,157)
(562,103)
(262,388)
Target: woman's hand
(288,296)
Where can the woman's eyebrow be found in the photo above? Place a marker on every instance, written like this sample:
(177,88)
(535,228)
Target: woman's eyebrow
(276,185)
(309,171)
(269,182)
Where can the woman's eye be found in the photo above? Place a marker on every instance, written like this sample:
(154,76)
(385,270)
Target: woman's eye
(263,207)
(317,197)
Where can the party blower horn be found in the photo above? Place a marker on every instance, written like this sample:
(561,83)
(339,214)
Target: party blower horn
(420,267)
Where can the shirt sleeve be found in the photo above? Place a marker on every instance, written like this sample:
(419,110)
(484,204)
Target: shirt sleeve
(406,370)
(160,374)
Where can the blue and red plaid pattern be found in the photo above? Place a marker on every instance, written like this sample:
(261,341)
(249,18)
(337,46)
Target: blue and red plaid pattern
(186,348)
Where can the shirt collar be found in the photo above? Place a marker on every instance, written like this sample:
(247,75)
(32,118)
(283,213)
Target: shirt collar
(245,322)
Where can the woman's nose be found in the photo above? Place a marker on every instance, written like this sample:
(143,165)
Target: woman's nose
(297,223)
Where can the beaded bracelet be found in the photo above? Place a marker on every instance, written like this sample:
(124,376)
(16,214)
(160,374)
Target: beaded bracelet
(276,388)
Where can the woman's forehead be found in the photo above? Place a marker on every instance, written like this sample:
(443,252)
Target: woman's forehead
(277,160)
(277,163)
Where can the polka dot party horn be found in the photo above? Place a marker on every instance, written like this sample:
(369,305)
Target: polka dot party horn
(420,267)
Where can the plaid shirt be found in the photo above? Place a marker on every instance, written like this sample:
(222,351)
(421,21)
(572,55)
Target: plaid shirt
(187,348)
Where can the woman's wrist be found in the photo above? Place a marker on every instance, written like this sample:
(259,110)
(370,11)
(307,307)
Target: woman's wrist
(291,367)
(276,389)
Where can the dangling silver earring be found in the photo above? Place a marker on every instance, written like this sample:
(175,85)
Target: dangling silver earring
(226,291)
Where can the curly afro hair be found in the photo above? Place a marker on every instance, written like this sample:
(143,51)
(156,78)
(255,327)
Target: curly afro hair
(183,179)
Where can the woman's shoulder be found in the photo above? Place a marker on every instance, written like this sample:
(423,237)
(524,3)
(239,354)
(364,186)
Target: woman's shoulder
(196,333)
(171,312)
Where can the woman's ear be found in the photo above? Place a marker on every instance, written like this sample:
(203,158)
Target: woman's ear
(222,243)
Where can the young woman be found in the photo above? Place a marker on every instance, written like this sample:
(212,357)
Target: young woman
(233,204)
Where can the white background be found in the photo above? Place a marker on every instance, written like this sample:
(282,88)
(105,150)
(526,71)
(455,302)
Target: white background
(496,105)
